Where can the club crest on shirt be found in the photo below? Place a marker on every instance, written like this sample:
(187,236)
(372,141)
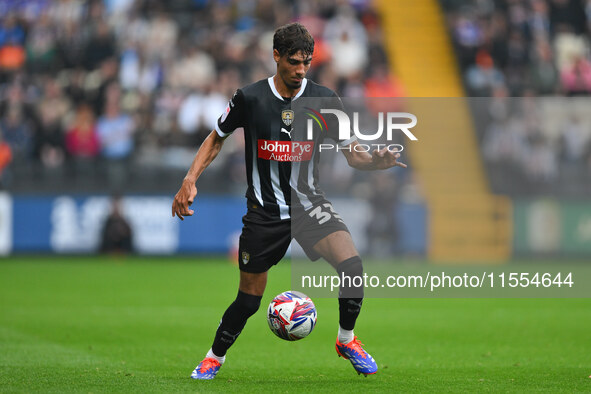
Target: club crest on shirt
(287,116)
(245,257)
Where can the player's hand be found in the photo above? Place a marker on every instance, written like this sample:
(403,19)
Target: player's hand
(383,159)
(183,200)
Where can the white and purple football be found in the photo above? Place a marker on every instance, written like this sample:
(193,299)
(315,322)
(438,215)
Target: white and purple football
(291,315)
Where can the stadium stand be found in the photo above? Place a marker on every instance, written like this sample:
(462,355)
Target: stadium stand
(115,96)
(536,50)
(101,95)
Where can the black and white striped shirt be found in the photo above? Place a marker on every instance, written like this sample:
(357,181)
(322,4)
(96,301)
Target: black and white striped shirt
(281,166)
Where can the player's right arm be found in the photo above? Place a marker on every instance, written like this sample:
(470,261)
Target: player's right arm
(186,194)
(231,119)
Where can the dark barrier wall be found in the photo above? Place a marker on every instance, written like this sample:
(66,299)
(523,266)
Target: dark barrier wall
(74,224)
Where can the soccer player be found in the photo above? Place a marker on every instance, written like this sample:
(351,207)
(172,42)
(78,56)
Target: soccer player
(280,205)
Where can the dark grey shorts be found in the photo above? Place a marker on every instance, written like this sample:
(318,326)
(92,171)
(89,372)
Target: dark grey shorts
(264,239)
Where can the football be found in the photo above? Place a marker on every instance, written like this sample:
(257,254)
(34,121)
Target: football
(291,315)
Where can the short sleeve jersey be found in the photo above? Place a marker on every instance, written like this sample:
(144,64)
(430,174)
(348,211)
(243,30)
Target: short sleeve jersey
(281,168)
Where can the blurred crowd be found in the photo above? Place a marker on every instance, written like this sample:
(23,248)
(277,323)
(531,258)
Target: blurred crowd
(536,145)
(118,94)
(114,91)
(527,49)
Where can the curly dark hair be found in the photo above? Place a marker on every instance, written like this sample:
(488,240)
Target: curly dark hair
(292,38)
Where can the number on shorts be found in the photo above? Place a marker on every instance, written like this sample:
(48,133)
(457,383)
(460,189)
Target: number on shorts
(324,216)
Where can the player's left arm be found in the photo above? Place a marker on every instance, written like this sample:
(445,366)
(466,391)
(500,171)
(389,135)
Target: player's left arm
(378,160)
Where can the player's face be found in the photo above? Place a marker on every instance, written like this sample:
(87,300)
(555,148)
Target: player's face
(292,69)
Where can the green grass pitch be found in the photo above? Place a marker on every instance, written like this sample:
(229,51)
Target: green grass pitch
(72,324)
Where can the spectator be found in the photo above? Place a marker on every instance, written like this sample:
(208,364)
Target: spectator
(540,162)
(116,136)
(567,15)
(17,133)
(468,36)
(11,33)
(72,43)
(12,57)
(75,88)
(483,76)
(49,138)
(195,70)
(100,47)
(115,129)
(576,79)
(12,37)
(117,236)
(81,138)
(382,230)
(104,77)
(348,41)
(41,46)
(161,37)
(63,13)
(137,73)
(381,85)
(539,20)
(5,158)
(573,141)
(543,72)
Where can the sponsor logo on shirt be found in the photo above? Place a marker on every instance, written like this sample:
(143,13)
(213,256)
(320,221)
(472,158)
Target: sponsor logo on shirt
(285,150)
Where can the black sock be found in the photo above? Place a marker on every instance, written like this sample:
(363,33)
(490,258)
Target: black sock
(350,295)
(349,309)
(233,321)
